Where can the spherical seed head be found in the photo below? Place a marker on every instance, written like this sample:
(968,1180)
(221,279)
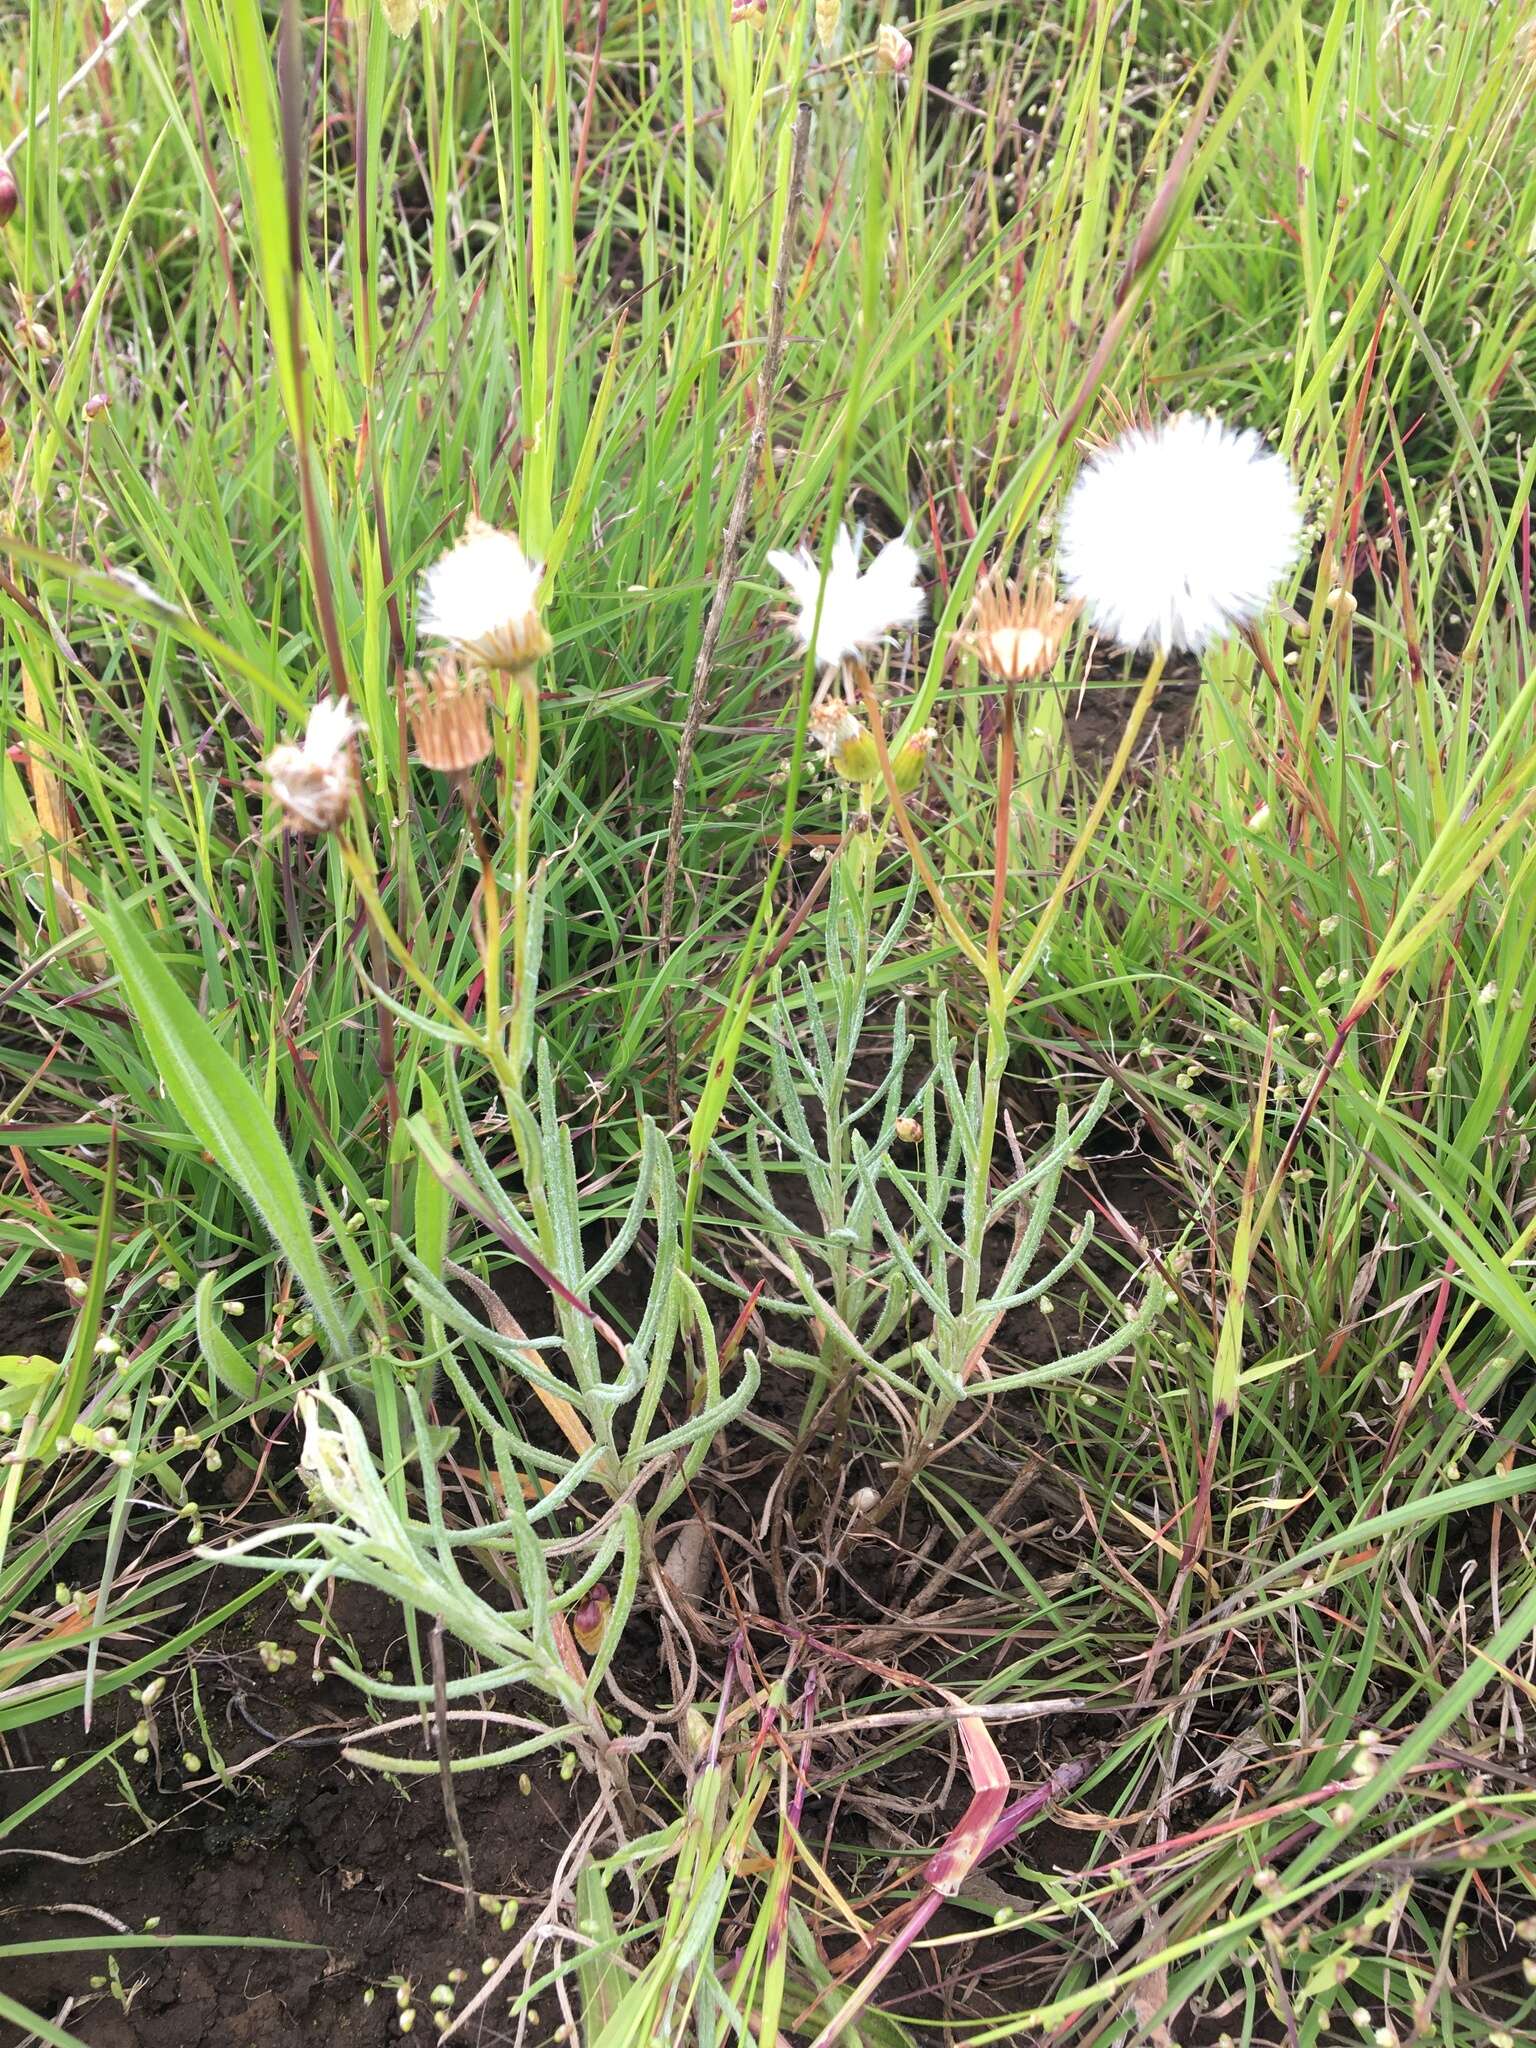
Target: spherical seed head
(314,783)
(1016,635)
(1179,534)
(859,613)
(450,723)
(482,597)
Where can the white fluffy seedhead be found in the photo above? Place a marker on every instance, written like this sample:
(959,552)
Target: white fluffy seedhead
(858,613)
(482,598)
(314,782)
(1179,534)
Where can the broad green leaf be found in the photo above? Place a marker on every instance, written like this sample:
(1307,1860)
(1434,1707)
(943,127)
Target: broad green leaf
(27,1370)
(220,1106)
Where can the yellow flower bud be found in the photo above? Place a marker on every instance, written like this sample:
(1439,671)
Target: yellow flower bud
(912,759)
(859,759)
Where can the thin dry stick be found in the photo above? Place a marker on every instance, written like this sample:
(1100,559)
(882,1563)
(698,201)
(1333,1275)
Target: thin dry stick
(773,349)
(445,1774)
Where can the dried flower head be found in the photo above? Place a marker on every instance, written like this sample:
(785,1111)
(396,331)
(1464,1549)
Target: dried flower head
(833,725)
(828,15)
(329,1460)
(314,782)
(858,613)
(1179,534)
(1016,634)
(482,597)
(403,15)
(893,52)
(450,722)
(845,740)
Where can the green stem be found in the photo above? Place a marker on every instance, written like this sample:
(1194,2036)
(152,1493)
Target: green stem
(1045,924)
(363,881)
(947,916)
(524,783)
(1002,834)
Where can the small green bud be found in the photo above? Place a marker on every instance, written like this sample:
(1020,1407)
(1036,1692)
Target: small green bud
(858,759)
(912,759)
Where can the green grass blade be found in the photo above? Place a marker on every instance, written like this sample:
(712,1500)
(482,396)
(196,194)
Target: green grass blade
(220,1107)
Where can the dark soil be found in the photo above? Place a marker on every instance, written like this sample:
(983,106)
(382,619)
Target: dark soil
(286,1842)
(33,1317)
(296,1846)
(1095,724)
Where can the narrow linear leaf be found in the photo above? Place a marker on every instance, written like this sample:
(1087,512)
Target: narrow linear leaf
(468,1196)
(222,1356)
(82,1347)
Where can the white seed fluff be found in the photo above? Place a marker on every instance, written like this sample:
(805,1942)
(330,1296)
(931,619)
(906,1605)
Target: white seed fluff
(1180,533)
(313,782)
(329,731)
(483,596)
(858,613)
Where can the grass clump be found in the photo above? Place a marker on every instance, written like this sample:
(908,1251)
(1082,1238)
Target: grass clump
(597,1214)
